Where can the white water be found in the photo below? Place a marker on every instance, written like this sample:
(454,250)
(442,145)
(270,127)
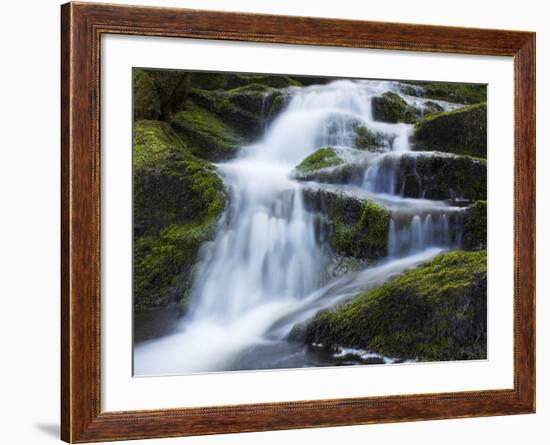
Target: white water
(266,269)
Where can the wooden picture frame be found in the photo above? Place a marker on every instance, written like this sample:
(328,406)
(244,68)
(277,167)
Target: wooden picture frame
(82,25)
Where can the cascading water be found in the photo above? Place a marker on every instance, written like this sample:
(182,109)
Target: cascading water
(265,270)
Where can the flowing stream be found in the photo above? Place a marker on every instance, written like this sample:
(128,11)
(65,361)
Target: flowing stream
(266,269)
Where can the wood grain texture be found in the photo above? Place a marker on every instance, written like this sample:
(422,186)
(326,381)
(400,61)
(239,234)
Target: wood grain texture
(81,28)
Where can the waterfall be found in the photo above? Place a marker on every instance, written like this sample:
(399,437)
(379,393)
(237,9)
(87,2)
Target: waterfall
(265,270)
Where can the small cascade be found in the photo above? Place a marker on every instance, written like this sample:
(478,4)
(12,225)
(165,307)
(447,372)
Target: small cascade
(411,233)
(264,271)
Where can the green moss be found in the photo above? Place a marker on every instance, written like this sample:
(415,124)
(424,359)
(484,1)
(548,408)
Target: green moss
(365,238)
(153,141)
(167,89)
(390,107)
(463,131)
(322,158)
(456,92)
(211,81)
(463,93)
(432,107)
(356,227)
(146,100)
(444,177)
(474,230)
(177,201)
(366,139)
(276,104)
(206,135)
(436,311)
(268,80)
(163,263)
(243,122)
(252,97)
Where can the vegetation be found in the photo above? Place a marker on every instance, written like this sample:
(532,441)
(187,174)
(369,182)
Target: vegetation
(183,120)
(463,131)
(463,93)
(177,201)
(434,312)
(443,177)
(357,227)
(474,232)
(391,107)
(206,135)
(322,158)
(365,238)
(366,139)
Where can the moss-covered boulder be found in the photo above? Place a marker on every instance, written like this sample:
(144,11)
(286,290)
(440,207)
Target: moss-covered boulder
(322,158)
(270,80)
(206,135)
(177,201)
(366,139)
(437,311)
(390,107)
(442,177)
(463,131)
(463,93)
(474,227)
(431,107)
(158,94)
(258,99)
(145,97)
(356,227)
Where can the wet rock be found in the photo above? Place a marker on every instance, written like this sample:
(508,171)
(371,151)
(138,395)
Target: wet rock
(177,200)
(474,231)
(443,177)
(356,227)
(390,107)
(463,131)
(437,311)
(462,93)
(321,159)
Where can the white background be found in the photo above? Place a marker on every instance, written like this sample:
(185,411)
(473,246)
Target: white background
(121,392)
(29,235)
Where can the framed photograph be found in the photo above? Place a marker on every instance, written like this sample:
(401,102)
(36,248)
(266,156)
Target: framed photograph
(275,222)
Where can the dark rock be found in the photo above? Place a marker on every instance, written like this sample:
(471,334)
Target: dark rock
(437,311)
(390,107)
(356,227)
(474,231)
(177,201)
(463,131)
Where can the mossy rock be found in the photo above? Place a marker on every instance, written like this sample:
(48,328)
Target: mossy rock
(163,264)
(246,124)
(269,80)
(206,135)
(322,158)
(158,94)
(437,311)
(463,93)
(212,81)
(390,107)
(442,177)
(254,98)
(463,131)
(146,100)
(474,228)
(432,107)
(177,200)
(356,227)
(311,80)
(366,139)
